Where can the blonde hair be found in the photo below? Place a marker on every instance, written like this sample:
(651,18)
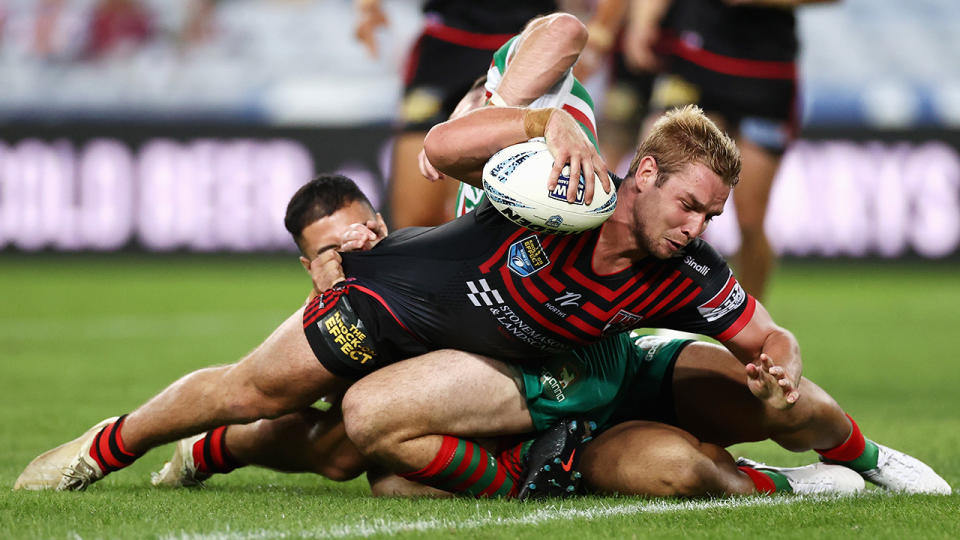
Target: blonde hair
(686,135)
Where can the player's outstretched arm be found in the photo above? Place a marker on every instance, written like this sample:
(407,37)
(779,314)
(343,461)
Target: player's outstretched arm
(771,356)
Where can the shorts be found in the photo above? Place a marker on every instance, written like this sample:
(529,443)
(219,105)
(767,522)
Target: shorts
(439,73)
(605,382)
(762,111)
(353,334)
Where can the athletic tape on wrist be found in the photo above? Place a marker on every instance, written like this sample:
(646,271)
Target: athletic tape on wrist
(535,121)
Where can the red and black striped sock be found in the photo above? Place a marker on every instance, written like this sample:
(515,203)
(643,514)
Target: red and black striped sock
(108,450)
(210,454)
(462,466)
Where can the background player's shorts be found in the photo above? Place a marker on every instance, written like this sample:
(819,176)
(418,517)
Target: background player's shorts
(352,334)
(760,110)
(439,73)
(604,380)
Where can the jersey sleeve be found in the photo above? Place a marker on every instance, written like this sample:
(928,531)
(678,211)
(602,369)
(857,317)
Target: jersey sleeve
(718,306)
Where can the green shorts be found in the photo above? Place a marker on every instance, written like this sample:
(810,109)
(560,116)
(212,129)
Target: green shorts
(622,377)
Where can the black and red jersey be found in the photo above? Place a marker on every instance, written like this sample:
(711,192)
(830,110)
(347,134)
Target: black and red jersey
(485,285)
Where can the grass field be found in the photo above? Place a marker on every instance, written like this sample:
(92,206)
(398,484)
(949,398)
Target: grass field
(82,338)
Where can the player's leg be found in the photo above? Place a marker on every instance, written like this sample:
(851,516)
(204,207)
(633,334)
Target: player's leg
(706,374)
(649,458)
(415,201)
(410,417)
(280,376)
(755,258)
(654,459)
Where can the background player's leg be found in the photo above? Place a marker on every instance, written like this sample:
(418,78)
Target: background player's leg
(414,200)
(707,374)
(755,259)
(403,416)
(649,458)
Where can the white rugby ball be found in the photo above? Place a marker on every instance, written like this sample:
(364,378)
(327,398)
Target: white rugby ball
(515,181)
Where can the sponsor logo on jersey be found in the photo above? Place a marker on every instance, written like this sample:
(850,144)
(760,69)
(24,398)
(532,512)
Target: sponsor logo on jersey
(513,325)
(482,295)
(526,257)
(501,171)
(563,186)
(701,269)
(569,299)
(623,320)
(730,298)
(342,330)
(554,385)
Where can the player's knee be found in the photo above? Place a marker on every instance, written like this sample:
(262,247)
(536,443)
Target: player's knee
(340,471)
(365,420)
(684,471)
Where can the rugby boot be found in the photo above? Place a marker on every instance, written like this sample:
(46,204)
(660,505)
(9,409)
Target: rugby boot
(551,461)
(897,471)
(181,470)
(818,478)
(67,467)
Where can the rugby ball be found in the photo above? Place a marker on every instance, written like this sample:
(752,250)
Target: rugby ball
(515,181)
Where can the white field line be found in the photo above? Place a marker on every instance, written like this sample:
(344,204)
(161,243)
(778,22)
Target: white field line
(365,528)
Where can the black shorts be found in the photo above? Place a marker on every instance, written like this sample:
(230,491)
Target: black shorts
(353,334)
(438,75)
(762,110)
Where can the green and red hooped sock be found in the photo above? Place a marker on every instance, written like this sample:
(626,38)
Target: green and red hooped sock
(464,467)
(108,450)
(768,481)
(210,454)
(857,452)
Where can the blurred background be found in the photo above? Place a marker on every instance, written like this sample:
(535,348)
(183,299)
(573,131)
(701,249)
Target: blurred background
(185,125)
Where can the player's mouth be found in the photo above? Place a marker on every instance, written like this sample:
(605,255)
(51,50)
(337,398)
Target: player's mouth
(677,246)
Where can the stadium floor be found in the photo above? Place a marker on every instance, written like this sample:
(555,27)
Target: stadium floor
(84,337)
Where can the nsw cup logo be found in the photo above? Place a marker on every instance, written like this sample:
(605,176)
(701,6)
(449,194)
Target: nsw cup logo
(526,257)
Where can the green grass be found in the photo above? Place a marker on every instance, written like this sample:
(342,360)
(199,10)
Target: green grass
(82,338)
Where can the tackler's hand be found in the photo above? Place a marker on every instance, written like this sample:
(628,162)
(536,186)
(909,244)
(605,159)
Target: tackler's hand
(770,383)
(363,236)
(326,270)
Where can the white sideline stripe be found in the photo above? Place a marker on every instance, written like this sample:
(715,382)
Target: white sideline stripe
(365,528)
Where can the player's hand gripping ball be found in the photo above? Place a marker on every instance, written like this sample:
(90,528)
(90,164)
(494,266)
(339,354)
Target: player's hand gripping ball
(515,181)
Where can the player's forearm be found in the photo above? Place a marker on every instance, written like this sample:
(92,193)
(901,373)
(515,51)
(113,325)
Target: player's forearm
(547,49)
(783,348)
(460,147)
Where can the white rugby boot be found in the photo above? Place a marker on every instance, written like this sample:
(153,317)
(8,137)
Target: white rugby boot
(901,472)
(180,471)
(818,478)
(67,467)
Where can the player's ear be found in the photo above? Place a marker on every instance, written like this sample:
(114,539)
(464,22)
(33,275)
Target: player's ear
(305,263)
(646,174)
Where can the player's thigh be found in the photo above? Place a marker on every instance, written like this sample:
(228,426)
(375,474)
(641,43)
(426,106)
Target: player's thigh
(706,375)
(285,369)
(444,391)
(639,458)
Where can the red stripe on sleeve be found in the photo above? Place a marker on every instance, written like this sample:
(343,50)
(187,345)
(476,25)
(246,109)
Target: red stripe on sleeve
(741,321)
